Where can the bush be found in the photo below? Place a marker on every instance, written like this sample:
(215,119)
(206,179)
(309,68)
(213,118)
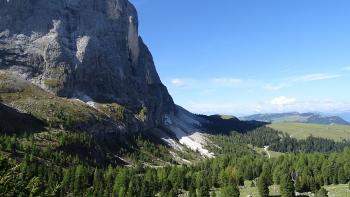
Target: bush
(322,193)
(230,191)
(143,114)
(52,83)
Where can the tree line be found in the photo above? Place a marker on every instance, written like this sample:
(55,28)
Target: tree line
(301,172)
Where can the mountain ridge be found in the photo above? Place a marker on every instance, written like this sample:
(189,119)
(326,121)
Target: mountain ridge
(296,117)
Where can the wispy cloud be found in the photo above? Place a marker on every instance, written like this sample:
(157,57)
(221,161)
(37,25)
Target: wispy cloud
(282,101)
(278,104)
(213,84)
(178,82)
(226,81)
(316,77)
(207,83)
(274,87)
(346,68)
(182,83)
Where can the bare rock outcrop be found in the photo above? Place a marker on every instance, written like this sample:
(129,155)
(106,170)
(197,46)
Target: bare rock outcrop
(86,49)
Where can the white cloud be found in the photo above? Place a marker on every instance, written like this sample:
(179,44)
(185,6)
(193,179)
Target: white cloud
(274,86)
(178,82)
(223,107)
(282,101)
(207,84)
(226,81)
(346,68)
(316,77)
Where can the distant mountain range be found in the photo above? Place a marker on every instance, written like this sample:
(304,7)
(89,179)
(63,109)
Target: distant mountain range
(344,115)
(297,117)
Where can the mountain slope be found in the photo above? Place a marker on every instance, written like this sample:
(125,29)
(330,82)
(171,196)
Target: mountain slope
(85,49)
(81,66)
(297,117)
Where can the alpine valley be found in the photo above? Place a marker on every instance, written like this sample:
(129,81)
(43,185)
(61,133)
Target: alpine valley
(83,112)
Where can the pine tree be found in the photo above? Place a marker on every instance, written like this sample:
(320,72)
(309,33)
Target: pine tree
(122,192)
(191,190)
(322,193)
(172,193)
(132,190)
(166,187)
(80,180)
(97,183)
(287,186)
(203,191)
(109,180)
(263,185)
(341,175)
(66,182)
(230,191)
(120,183)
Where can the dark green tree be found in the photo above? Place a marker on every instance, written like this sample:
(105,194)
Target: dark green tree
(120,183)
(263,186)
(342,176)
(203,191)
(80,180)
(98,183)
(321,193)
(287,186)
(230,191)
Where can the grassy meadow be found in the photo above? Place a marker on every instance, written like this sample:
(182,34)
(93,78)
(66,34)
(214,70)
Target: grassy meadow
(303,130)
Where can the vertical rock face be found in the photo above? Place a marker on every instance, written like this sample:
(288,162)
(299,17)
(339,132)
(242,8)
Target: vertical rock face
(87,49)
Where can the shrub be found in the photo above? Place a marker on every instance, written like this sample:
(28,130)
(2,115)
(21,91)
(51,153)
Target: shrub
(52,83)
(142,115)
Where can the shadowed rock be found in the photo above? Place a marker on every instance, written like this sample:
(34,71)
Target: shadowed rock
(15,122)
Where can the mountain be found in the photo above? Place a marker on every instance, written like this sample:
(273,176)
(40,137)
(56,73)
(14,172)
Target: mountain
(344,115)
(296,117)
(89,50)
(80,65)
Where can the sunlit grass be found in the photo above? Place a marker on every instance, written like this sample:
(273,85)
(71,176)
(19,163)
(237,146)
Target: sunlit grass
(303,130)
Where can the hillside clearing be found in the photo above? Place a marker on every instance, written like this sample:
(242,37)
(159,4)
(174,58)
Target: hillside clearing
(304,130)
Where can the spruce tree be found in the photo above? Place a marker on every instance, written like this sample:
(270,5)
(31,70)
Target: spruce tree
(230,191)
(120,182)
(80,180)
(203,191)
(263,185)
(191,191)
(322,193)
(287,186)
(97,183)
(341,175)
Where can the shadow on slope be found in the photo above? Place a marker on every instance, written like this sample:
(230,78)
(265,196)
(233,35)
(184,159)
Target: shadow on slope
(15,122)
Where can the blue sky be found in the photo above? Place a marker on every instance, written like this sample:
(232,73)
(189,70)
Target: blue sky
(248,56)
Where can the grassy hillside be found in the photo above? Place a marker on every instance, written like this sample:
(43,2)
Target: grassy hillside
(28,113)
(303,130)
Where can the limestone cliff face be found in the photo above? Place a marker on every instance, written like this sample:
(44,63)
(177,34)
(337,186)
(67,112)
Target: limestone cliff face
(87,49)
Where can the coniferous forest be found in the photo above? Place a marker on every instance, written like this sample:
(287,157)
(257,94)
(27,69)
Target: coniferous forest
(30,169)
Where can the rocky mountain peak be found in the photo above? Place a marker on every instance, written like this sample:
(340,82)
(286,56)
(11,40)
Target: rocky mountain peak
(90,50)
(86,49)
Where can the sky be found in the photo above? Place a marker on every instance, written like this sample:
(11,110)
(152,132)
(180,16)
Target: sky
(241,57)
